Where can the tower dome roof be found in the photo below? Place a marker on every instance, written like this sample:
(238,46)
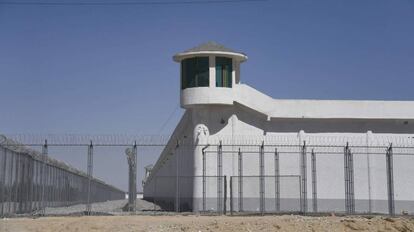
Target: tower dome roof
(210,47)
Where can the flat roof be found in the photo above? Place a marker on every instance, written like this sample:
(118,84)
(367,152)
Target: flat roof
(208,48)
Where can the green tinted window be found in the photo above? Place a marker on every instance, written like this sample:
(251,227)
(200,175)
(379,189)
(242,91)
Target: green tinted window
(195,72)
(224,69)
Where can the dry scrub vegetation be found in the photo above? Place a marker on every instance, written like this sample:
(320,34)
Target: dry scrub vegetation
(205,223)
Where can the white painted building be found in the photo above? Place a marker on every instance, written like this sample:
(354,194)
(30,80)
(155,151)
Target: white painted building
(219,108)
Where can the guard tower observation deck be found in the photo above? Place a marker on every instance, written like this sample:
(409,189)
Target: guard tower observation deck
(209,73)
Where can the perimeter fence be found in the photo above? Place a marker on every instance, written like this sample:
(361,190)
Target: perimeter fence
(309,176)
(31,181)
(313,178)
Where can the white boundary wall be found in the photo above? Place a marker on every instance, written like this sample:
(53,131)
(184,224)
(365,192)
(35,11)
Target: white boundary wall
(237,125)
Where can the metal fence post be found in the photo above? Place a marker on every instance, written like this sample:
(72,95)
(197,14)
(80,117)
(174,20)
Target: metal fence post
(4,184)
(390,181)
(219,177)
(262,184)
(130,154)
(177,178)
(19,184)
(225,196)
(90,170)
(304,179)
(43,177)
(26,184)
(27,178)
(36,185)
(277,182)
(52,186)
(231,195)
(346,177)
(59,184)
(300,194)
(17,190)
(66,189)
(204,180)
(32,177)
(240,179)
(135,152)
(11,182)
(314,183)
(39,185)
(349,180)
(48,185)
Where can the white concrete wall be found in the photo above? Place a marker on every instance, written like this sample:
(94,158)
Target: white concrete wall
(370,182)
(177,159)
(240,125)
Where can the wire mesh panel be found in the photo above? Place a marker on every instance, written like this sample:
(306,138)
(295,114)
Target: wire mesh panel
(250,189)
(286,198)
(379,193)
(362,186)
(330,180)
(168,197)
(111,166)
(282,198)
(403,180)
(211,200)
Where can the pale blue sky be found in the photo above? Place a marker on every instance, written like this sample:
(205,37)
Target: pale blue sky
(108,69)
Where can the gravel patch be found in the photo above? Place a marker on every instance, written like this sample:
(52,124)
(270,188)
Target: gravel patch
(103,208)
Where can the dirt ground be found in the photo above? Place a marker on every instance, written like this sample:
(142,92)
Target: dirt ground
(205,223)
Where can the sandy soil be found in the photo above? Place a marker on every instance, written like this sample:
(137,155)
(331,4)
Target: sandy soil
(205,223)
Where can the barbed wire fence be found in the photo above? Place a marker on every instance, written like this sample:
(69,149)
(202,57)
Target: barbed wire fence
(32,180)
(352,174)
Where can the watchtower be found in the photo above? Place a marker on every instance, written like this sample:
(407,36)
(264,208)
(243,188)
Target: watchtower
(208,74)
